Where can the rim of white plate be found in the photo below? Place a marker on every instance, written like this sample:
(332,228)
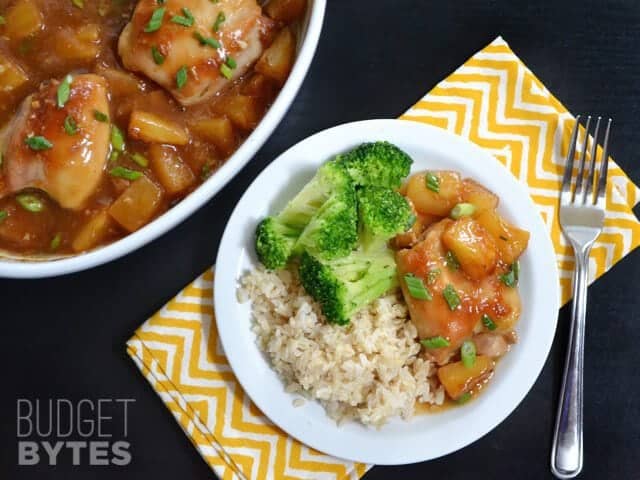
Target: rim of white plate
(425,436)
(177,214)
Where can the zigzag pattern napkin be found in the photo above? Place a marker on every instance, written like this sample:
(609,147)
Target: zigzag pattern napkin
(495,101)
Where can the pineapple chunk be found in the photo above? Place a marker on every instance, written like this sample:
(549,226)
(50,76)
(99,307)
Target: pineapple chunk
(151,128)
(12,76)
(78,45)
(510,240)
(277,60)
(473,246)
(137,204)
(457,379)
(92,233)
(430,202)
(483,199)
(120,83)
(242,110)
(23,19)
(285,10)
(174,175)
(511,307)
(218,131)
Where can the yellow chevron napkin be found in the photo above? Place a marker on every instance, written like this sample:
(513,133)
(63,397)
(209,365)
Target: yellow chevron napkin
(495,101)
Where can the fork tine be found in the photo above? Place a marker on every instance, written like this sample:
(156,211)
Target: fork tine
(568,169)
(604,165)
(591,169)
(585,145)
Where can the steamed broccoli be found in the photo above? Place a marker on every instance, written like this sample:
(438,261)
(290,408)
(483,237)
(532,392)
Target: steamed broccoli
(383,214)
(380,163)
(276,236)
(343,286)
(333,231)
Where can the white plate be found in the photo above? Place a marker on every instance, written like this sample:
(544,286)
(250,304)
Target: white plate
(425,436)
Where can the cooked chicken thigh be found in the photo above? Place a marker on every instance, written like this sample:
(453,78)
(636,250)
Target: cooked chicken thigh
(193,48)
(58,147)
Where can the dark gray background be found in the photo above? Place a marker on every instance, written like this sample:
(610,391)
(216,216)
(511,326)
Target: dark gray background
(64,337)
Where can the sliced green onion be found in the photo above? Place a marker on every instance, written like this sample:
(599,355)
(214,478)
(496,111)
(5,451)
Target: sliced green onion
(433,275)
(226,71)
(510,279)
(126,173)
(186,20)
(38,142)
(464,398)
(78,3)
(435,342)
(432,182)
(487,322)
(140,159)
(113,156)
(181,77)
(3,214)
(210,41)
(70,125)
(117,138)
(231,62)
(55,242)
(462,210)
(30,203)
(2,20)
(451,261)
(417,288)
(451,297)
(158,57)
(219,21)
(64,91)
(100,116)
(156,20)
(468,353)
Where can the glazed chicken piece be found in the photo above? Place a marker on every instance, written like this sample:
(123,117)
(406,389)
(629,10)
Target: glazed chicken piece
(428,261)
(187,49)
(60,150)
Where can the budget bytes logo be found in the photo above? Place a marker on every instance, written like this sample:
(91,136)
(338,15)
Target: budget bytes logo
(81,432)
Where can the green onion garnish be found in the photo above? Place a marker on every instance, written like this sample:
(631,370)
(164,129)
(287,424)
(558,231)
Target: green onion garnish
(435,342)
(3,214)
(231,62)
(113,156)
(212,42)
(464,398)
(432,182)
(158,57)
(117,138)
(181,77)
(468,353)
(38,142)
(226,71)
(100,116)
(126,173)
(78,3)
(2,20)
(64,91)
(433,275)
(510,279)
(70,125)
(487,322)
(463,210)
(186,20)
(156,20)
(451,261)
(30,203)
(417,288)
(451,296)
(55,242)
(140,159)
(219,21)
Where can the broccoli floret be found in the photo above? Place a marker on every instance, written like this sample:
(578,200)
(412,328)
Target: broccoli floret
(276,236)
(333,231)
(380,163)
(343,286)
(383,213)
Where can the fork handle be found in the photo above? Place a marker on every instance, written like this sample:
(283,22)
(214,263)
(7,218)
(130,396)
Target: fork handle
(566,453)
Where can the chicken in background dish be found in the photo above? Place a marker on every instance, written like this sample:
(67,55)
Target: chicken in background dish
(459,277)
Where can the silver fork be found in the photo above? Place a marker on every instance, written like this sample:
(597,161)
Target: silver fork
(581,218)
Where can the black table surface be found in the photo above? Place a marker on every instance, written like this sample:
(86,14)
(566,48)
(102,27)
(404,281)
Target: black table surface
(64,337)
